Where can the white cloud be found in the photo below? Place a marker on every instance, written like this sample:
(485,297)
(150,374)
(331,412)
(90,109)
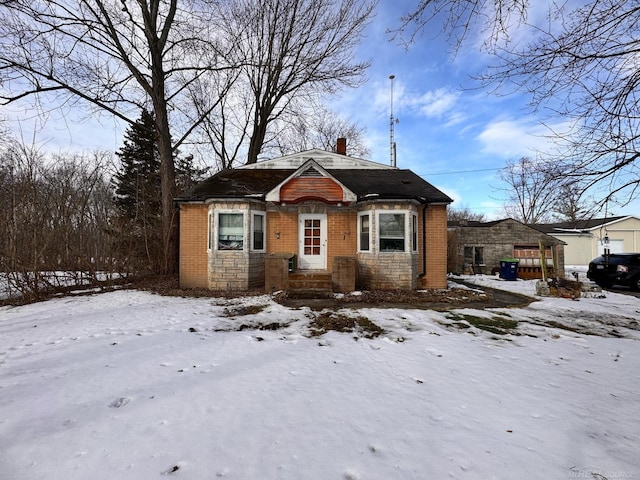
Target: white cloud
(437,103)
(507,138)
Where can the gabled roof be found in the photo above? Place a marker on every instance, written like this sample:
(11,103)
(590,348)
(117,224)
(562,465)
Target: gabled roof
(579,226)
(367,180)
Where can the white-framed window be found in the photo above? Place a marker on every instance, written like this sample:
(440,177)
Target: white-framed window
(364,231)
(392,231)
(258,231)
(230,232)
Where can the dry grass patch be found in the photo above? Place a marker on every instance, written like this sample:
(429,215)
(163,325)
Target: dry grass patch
(325,321)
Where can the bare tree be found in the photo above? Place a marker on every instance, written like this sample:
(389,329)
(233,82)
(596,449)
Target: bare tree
(458,19)
(572,202)
(56,218)
(587,72)
(118,57)
(531,193)
(290,50)
(464,213)
(317,126)
(579,64)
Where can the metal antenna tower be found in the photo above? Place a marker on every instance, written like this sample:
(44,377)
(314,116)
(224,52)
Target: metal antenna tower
(392,121)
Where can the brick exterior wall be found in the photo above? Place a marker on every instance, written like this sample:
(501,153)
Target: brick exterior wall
(342,233)
(282,222)
(193,245)
(242,270)
(436,234)
(282,230)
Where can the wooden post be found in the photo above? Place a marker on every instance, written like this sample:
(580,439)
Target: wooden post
(543,260)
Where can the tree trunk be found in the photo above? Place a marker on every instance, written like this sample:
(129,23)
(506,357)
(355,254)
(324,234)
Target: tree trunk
(168,187)
(257,138)
(167,165)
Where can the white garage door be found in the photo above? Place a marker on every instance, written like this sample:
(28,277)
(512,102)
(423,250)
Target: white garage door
(615,246)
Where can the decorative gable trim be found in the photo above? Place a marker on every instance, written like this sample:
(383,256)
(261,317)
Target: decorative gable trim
(311,182)
(310,172)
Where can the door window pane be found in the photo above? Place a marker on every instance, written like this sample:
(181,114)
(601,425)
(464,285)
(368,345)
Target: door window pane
(311,237)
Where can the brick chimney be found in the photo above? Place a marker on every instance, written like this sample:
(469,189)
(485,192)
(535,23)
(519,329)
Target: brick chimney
(341,146)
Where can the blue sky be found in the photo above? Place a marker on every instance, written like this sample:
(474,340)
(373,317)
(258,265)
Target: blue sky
(454,134)
(450,131)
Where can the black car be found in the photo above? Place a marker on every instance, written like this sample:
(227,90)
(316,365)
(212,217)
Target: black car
(616,269)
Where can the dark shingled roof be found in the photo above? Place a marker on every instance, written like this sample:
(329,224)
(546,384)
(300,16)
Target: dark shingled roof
(236,183)
(389,184)
(578,225)
(366,184)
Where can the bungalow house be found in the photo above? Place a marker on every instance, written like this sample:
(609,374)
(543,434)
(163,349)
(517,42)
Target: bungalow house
(585,239)
(320,212)
(478,247)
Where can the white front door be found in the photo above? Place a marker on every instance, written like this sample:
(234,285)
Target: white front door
(312,241)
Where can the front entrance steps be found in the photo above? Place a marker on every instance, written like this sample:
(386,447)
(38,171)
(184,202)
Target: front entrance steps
(310,284)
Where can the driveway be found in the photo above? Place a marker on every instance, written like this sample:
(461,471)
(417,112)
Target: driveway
(625,291)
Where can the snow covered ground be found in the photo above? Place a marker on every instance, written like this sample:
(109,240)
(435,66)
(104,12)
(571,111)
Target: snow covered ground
(132,385)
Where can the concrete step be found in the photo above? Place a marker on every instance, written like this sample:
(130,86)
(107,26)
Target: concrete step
(309,293)
(310,285)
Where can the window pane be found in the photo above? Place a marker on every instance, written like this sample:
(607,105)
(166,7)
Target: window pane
(414,235)
(392,233)
(468,255)
(230,231)
(364,232)
(258,232)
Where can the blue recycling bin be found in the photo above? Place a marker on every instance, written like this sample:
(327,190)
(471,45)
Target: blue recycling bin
(509,268)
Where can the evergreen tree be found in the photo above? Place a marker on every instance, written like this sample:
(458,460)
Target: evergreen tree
(137,181)
(138,201)
(138,198)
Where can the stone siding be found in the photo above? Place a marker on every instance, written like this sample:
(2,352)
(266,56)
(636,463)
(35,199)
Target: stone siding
(229,270)
(388,271)
(498,242)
